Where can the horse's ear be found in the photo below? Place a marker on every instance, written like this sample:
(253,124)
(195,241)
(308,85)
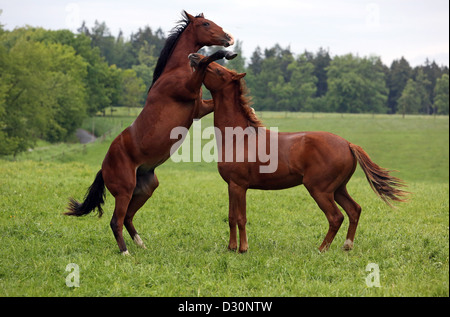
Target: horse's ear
(201,15)
(188,16)
(239,76)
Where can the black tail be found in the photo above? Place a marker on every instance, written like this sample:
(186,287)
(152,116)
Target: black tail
(94,198)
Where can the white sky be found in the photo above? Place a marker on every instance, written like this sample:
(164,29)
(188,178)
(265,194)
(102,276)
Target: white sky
(415,29)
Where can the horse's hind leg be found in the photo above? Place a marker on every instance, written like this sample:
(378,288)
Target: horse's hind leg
(117,220)
(145,186)
(353,211)
(333,214)
(121,183)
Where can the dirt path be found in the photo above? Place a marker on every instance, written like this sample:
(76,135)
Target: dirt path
(85,136)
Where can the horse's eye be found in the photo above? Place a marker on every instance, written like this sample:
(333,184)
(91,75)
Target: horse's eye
(205,24)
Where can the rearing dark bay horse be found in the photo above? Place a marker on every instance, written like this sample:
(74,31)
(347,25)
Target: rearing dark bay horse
(322,161)
(174,100)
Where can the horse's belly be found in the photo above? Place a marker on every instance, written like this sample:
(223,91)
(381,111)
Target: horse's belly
(273,182)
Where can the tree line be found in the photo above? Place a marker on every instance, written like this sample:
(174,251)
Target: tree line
(316,82)
(51,80)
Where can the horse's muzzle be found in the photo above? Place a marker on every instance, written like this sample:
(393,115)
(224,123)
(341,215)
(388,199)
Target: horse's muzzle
(228,41)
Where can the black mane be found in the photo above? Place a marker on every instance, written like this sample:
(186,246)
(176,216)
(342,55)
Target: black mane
(167,50)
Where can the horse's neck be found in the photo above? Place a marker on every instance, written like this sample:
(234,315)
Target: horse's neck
(185,45)
(227,109)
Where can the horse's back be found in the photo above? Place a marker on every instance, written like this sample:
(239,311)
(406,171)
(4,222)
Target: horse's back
(323,156)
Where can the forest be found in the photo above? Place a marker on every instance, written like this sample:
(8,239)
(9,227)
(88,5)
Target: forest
(51,80)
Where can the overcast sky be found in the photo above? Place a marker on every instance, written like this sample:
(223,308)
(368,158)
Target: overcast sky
(415,29)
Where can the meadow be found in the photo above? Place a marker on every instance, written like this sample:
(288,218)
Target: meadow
(185,224)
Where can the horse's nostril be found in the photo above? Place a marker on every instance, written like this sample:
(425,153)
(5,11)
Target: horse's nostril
(229,38)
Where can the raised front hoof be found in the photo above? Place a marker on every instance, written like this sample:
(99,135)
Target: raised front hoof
(230,55)
(194,59)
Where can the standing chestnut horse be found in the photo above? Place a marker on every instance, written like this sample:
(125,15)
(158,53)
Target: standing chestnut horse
(173,100)
(322,161)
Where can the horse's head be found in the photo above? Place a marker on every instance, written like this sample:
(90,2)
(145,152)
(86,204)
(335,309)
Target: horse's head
(207,32)
(217,77)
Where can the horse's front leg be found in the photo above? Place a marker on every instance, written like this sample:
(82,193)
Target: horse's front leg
(205,107)
(237,217)
(201,64)
(194,84)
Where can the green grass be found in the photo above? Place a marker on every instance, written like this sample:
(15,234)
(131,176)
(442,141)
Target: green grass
(185,225)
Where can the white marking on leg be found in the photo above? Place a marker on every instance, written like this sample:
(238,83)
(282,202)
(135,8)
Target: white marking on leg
(348,244)
(137,239)
(126,253)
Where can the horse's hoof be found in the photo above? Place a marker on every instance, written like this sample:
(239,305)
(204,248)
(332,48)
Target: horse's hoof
(323,250)
(348,245)
(126,253)
(230,55)
(243,249)
(193,56)
(194,59)
(137,239)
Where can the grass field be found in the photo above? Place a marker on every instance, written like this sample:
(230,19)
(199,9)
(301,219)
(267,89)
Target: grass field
(185,224)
